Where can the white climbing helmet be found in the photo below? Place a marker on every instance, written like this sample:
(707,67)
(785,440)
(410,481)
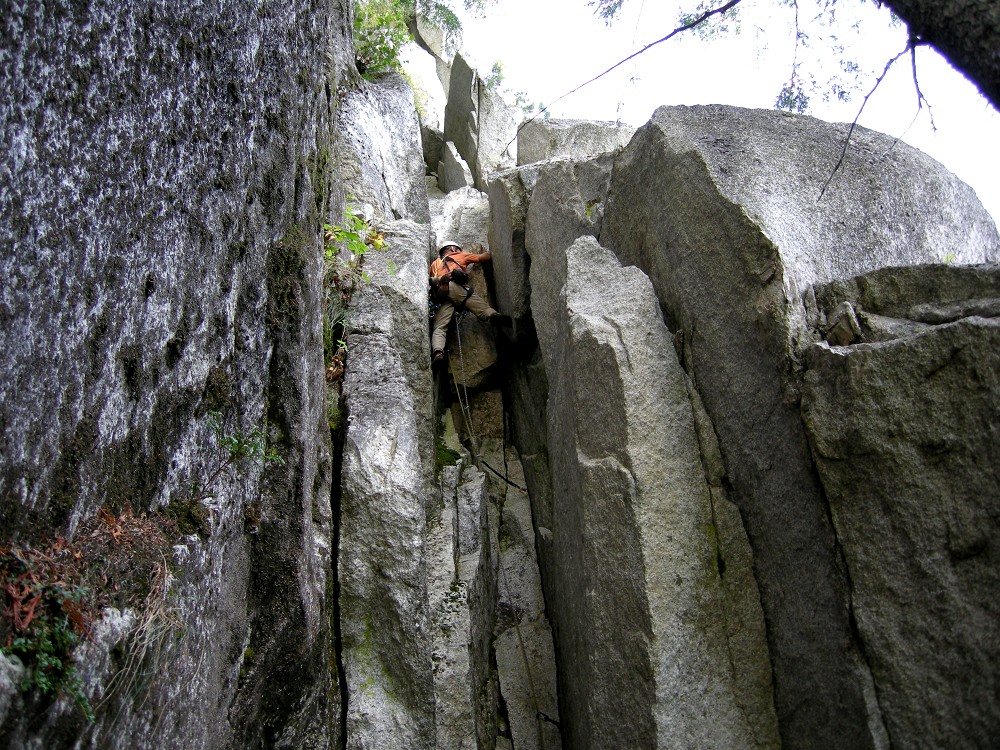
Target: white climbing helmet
(447,243)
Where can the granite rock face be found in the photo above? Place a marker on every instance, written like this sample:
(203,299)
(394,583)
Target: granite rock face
(165,173)
(904,435)
(538,140)
(479,122)
(728,481)
(636,553)
(379,154)
(387,460)
(721,211)
(452,171)
(759,286)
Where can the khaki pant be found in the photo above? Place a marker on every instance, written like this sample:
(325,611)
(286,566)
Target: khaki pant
(473,303)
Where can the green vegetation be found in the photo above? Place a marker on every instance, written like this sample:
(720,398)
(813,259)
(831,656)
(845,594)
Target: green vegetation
(47,605)
(495,77)
(446,456)
(380,31)
(53,592)
(344,256)
(233,449)
(382,27)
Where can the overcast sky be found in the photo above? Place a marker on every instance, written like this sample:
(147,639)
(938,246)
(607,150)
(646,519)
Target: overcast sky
(549,47)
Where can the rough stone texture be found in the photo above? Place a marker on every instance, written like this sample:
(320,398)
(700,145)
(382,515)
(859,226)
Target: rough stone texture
(379,155)
(450,620)
(385,479)
(888,204)
(567,202)
(165,170)
(452,171)
(525,657)
(905,438)
(509,194)
(547,139)
(914,295)
(497,136)
(479,122)
(463,599)
(432,141)
(719,206)
(638,601)
(462,216)
(387,470)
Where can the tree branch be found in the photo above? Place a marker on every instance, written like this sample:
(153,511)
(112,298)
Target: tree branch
(850,132)
(696,22)
(921,99)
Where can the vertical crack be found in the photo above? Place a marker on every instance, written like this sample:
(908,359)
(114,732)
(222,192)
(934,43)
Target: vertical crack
(337,445)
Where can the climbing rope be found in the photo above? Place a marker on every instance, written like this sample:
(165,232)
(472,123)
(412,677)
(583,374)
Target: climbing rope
(463,401)
(464,404)
(503,478)
(467,409)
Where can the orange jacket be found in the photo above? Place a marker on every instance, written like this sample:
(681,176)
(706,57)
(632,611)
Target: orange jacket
(449,262)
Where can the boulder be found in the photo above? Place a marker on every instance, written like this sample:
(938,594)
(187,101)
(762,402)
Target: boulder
(905,441)
(385,481)
(452,171)
(479,122)
(722,208)
(546,139)
(639,567)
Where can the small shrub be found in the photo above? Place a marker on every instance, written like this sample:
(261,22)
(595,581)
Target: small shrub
(53,592)
(380,31)
(233,449)
(345,248)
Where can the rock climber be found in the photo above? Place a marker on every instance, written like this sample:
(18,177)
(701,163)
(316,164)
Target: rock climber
(449,286)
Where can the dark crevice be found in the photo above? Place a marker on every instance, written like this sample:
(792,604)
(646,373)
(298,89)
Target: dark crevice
(856,635)
(337,441)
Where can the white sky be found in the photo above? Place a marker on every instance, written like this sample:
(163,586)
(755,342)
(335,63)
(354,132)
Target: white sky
(548,47)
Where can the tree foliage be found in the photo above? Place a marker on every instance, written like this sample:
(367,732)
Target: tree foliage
(966,33)
(817,36)
(382,27)
(380,30)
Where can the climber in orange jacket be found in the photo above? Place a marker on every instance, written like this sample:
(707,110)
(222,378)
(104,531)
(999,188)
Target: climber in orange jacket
(449,286)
